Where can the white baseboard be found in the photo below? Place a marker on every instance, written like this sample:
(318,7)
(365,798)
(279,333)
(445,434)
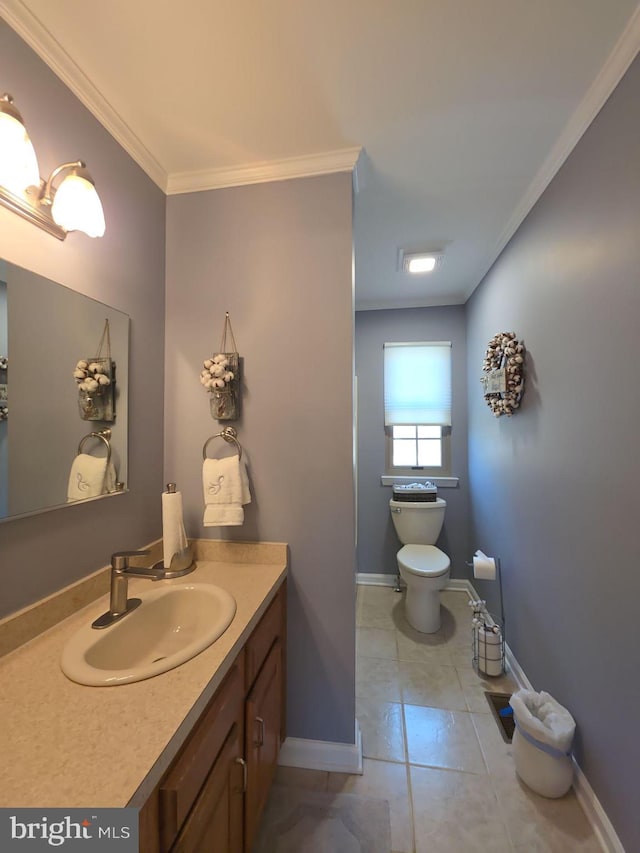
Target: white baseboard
(453,585)
(595,814)
(365,579)
(323,755)
(516,670)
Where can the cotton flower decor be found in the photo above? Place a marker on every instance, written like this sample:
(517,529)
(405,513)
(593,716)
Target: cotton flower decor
(95,379)
(216,375)
(503,374)
(220,375)
(91,376)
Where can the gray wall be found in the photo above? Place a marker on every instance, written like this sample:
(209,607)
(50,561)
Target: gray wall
(554,490)
(278,257)
(377,540)
(124,269)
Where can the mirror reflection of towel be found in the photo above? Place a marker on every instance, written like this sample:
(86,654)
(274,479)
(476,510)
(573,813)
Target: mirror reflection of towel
(226,488)
(90,477)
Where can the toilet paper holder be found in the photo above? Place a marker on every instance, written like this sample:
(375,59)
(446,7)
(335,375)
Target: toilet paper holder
(488,639)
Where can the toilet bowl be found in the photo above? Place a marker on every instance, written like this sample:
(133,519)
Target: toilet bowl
(423,567)
(425,570)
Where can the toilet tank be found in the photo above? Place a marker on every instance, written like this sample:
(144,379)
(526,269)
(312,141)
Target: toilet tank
(418,523)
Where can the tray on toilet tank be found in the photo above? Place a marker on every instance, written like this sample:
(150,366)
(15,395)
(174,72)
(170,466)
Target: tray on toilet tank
(415,492)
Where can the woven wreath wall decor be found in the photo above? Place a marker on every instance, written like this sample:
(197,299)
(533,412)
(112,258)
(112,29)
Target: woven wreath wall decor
(503,379)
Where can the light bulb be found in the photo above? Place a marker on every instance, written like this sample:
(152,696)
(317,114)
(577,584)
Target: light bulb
(77,207)
(422,264)
(18,163)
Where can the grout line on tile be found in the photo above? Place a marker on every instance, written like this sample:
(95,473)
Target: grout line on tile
(439,768)
(405,735)
(411,806)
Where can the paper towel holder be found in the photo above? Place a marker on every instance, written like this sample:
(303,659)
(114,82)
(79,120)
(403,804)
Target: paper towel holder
(182,562)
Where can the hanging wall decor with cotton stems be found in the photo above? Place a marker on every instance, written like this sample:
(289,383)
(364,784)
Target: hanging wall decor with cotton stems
(96,380)
(503,378)
(220,375)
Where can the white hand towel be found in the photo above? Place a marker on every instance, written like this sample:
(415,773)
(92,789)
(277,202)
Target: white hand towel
(90,477)
(226,488)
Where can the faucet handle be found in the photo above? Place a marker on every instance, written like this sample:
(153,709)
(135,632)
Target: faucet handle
(120,560)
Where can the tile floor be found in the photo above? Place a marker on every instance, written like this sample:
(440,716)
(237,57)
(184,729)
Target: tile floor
(432,747)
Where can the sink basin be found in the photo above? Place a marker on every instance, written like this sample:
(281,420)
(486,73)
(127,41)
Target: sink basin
(172,625)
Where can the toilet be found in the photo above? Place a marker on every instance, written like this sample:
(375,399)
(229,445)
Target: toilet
(423,567)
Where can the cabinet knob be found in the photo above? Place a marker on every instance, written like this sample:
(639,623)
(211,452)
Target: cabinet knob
(243,764)
(260,740)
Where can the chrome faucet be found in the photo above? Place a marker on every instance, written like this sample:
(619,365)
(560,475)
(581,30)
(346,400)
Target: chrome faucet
(121,571)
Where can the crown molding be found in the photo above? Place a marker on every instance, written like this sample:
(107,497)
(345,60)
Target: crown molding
(36,35)
(442,301)
(310,165)
(618,62)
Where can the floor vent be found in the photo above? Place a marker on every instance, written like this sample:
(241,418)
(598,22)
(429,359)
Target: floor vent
(500,702)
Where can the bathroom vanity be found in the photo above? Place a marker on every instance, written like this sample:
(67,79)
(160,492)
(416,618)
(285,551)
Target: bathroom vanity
(213,794)
(194,748)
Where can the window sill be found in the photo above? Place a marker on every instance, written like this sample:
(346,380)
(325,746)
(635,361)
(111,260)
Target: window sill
(441,482)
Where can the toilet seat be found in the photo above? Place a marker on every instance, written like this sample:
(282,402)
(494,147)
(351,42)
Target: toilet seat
(425,561)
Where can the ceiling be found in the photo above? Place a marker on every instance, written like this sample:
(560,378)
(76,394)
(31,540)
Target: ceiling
(458,112)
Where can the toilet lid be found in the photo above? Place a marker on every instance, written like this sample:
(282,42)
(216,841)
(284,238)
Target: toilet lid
(425,560)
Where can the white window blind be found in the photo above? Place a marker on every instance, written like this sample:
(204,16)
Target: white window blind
(417,383)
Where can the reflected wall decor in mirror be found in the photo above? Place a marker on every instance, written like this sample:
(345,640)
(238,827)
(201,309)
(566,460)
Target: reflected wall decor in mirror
(49,455)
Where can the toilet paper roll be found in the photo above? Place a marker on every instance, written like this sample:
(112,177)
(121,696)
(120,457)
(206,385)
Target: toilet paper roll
(489,649)
(484,568)
(174,538)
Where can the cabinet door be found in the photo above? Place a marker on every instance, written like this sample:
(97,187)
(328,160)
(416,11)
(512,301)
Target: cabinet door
(262,738)
(214,824)
(186,778)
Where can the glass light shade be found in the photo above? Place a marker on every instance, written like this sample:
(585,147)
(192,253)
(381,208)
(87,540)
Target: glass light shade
(77,207)
(18,163)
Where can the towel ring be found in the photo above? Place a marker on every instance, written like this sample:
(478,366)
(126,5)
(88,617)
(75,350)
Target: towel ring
(230,435)
(103,435)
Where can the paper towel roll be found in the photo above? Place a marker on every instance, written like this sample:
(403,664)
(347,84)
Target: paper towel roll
(484,568)
(174,538)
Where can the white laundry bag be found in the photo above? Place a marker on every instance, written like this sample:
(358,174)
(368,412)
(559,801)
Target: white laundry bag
(542,742)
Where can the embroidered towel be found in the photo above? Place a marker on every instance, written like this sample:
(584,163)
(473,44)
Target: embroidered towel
(226,488)
(90,477)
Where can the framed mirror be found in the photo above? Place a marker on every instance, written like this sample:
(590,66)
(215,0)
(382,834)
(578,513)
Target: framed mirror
(50,454)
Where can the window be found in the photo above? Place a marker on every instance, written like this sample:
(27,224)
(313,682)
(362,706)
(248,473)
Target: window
(413,446)
(417,407)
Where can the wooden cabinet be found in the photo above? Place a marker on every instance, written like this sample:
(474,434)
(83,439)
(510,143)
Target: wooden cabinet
(262,738)
(215,821)
(212,797)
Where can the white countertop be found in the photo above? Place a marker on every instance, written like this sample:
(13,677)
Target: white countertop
(66,745)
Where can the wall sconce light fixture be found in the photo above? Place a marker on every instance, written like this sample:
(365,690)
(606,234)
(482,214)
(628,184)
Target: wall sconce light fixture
(73,206)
